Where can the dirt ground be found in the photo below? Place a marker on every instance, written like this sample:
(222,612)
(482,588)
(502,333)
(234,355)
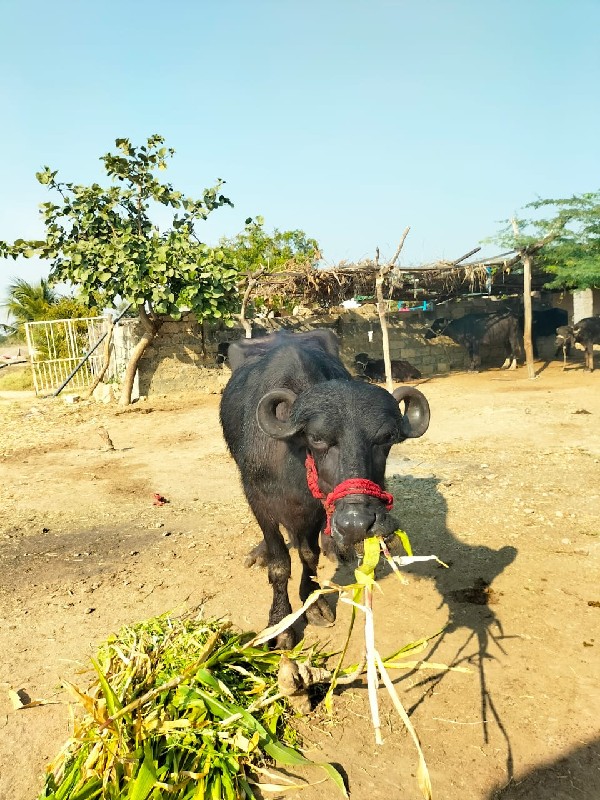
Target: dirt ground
(504,487)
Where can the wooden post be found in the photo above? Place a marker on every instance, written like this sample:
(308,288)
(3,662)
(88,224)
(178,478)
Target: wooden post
(526,258)
(381,309)
(252,281)
(106,360)
(527,341)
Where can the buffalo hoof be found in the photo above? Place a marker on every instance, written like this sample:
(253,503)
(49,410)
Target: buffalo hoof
(320,614)
(285,641)
(257,556)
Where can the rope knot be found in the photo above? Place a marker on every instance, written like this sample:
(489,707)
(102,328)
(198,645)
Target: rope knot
(343,489)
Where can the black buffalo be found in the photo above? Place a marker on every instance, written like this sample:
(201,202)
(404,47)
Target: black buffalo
(584,334)
(563,342)
(374,369)
(474,330)
(290,397)
(546,321)
(222,353)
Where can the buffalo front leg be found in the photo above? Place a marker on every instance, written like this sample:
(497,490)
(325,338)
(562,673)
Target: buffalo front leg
(319,613)
(279,568)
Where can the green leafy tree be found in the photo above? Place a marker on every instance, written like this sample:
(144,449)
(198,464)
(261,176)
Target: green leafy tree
(573,256)
(254,247)
(106,242)
(563,239)
(255,252)
(565,236)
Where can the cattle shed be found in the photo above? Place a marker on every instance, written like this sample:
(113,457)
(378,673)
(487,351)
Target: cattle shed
(177,359)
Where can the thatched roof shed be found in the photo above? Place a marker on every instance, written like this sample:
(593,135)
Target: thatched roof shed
(436,282)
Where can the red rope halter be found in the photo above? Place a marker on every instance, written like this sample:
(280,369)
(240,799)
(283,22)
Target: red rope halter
(350,486)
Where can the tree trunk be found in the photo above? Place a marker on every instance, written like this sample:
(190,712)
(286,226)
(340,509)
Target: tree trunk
(527,341)
(252,281)
(151,327)
(106,362)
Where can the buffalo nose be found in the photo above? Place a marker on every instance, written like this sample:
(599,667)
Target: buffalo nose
(354,519)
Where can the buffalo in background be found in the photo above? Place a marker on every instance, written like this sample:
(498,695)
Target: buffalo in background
(545,322)
(583,335)
(474,330)
(373,369)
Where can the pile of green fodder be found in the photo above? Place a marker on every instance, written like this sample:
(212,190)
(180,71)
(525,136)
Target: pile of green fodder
(180,708)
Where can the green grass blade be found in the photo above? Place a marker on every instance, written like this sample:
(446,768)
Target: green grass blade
(145,780)
(283,754)
(405,541)
(91,789)
(72,774)
(113,704)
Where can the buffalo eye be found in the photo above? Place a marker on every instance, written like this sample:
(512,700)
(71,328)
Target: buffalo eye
(386,438)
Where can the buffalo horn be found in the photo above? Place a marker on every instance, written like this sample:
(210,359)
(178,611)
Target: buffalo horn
(415,417)
(269,421)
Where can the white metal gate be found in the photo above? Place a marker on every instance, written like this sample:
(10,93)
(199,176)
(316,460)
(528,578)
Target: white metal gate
(56,347)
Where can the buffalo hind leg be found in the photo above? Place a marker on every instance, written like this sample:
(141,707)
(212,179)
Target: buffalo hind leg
(589,357)
(474,358)
(510,362)
(275,554)
(319,613)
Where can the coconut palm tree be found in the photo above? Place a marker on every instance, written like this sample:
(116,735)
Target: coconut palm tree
(27,302)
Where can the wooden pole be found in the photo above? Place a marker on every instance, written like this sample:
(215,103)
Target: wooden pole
(527,341)
(252,281)
(381,309)
(106,360)
(526,258)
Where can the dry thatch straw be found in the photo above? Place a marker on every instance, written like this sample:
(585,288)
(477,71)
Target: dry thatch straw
(304,284)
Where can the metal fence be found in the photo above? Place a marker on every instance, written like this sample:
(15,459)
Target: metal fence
(57,346)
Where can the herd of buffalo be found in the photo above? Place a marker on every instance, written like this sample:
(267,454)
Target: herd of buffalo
(505,328)
(311,440)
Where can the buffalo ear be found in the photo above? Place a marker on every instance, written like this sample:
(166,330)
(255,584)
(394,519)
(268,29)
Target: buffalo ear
(416,414)
(273,411)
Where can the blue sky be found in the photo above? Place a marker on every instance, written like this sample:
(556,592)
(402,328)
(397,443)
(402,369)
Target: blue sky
(350,120)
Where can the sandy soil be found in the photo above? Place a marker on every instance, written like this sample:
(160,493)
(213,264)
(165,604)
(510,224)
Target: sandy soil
(505,488)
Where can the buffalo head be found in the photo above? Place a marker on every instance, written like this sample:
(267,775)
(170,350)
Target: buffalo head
(348,427)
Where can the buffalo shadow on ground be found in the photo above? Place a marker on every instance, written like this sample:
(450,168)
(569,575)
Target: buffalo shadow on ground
(575,774)
(465,589)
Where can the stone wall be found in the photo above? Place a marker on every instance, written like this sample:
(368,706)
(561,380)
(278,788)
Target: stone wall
(183,357)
